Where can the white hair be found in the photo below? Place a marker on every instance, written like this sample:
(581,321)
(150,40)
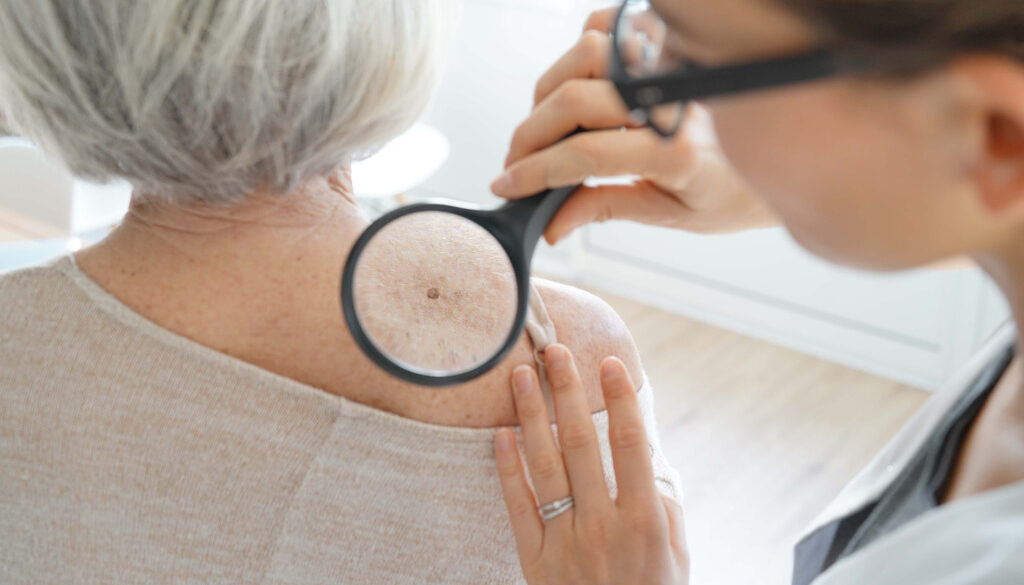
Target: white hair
(211,100)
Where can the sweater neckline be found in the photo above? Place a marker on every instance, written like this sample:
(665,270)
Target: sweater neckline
(109,304)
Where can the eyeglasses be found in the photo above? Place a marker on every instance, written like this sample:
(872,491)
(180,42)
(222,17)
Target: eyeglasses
(656,85)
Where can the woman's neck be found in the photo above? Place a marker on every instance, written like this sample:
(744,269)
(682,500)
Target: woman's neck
(992,454)
(242,279)
(1006,268)
(321,216)
(1005,265)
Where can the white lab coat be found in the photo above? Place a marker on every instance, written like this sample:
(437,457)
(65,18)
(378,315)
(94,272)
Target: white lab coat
(977,540)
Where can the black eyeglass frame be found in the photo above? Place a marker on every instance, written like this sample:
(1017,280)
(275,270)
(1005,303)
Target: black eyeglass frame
(692,81)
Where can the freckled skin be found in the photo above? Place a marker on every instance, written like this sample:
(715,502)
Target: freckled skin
(288,321)
(472,312)
(469,308)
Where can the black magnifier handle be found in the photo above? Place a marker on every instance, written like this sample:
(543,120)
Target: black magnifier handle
(530,216)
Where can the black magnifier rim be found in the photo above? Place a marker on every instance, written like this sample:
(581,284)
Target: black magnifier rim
(520,266)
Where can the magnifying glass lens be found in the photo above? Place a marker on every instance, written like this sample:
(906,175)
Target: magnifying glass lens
(435,293)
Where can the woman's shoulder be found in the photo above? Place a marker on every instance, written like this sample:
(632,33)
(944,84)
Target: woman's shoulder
(585,324)
(37,308)
(592,330)
(32,289)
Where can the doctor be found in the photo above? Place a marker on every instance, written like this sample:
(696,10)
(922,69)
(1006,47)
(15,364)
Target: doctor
(882,135)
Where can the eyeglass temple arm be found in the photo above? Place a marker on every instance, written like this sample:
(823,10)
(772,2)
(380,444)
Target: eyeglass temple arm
(704,83)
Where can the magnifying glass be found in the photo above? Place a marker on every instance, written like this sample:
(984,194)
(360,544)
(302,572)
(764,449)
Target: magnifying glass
(437,293)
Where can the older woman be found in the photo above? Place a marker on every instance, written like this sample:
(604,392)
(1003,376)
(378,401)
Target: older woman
(182,402)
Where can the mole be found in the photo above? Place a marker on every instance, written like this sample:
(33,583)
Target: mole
(433,294)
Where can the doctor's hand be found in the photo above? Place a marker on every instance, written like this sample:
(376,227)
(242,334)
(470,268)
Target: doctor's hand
(685,182)
(636,538)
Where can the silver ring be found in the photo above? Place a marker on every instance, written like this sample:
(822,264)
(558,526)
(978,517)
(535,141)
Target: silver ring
(556,508)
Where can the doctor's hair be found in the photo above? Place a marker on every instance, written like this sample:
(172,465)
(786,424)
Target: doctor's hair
(207,101)
(912,36)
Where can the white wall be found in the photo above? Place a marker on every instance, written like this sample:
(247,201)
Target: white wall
(503,48)
(914,327)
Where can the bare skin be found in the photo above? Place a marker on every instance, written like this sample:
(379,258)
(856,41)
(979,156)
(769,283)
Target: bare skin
(992,455)
(259,282)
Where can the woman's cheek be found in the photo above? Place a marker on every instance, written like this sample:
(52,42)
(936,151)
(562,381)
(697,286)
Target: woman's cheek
(760,152)
(775,154)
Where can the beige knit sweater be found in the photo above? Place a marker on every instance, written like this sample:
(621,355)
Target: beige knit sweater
(129,454)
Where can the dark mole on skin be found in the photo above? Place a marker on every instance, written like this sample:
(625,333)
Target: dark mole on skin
(433,293)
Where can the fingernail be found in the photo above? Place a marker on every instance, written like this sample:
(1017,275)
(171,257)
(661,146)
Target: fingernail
(503,440)
(610,369)
(502,184)
(556,356)
(552,238)
(522,379)
(558,236)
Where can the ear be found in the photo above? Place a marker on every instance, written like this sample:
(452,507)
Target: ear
(998,88)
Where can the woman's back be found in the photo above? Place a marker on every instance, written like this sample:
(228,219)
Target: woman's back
(132,454)
(184,404)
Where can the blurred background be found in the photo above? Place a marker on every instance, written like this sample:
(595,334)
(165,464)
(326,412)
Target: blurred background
(777,376)
(914,328)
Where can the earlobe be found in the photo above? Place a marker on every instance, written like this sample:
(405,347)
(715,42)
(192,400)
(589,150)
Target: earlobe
(999,175)
(1001,188)
(998,169)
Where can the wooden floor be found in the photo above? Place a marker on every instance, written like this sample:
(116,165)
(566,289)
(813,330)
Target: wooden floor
(16,228)
(762,436)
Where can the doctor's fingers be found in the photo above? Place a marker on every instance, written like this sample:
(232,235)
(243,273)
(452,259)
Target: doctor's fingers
(519,499)
(601,20)
(543,457)
(630,445)
(590,104)
(576,433)
(602,153)
(676,530)
(642,202)
(588,59)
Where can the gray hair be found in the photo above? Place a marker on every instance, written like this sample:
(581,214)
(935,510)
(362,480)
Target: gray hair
(210,100)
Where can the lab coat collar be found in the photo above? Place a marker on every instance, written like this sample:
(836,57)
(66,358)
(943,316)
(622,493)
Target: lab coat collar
(869,484)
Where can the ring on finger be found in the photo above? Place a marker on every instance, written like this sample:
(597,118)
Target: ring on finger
(556,508)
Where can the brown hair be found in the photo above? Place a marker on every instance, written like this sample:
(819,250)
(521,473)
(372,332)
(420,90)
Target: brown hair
(916,35)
